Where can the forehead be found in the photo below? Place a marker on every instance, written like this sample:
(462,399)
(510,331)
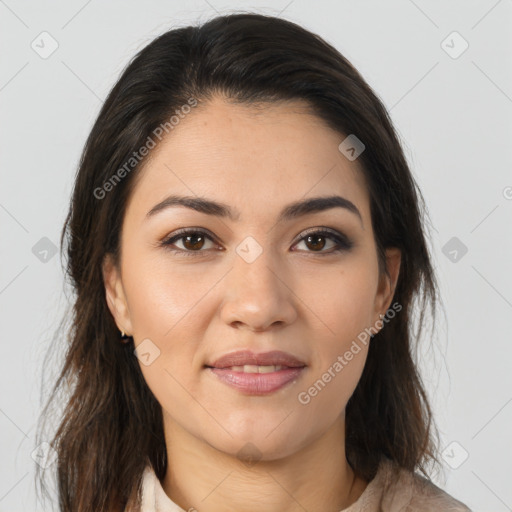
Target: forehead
(252,156)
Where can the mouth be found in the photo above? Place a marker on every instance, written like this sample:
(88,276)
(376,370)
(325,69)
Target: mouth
(257,374)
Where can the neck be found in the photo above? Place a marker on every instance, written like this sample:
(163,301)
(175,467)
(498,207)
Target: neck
(316,478)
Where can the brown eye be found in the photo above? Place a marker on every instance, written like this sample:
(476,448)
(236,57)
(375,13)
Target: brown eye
(316,241)
(192,241)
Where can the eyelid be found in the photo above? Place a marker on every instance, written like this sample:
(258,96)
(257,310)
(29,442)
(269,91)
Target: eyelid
(186,231)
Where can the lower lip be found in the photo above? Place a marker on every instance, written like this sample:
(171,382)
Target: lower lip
(257,383)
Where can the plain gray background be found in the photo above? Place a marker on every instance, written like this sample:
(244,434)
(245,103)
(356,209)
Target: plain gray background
(453,110)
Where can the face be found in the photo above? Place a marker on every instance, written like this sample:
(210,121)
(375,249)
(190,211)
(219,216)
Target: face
(194,285)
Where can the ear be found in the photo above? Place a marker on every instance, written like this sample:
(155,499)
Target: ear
(115,295)
(387,281)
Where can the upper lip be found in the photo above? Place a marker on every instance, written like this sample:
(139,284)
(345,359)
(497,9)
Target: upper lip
(246,357)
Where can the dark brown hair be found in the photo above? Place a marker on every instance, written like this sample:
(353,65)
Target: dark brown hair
(111,424)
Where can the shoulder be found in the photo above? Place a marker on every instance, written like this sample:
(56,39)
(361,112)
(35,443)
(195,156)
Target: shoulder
(407,491)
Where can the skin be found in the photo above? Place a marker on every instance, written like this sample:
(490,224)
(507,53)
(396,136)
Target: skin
(294,297)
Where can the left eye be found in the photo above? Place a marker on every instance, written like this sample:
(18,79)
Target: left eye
(193,241)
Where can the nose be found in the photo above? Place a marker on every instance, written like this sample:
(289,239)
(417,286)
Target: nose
(257,296)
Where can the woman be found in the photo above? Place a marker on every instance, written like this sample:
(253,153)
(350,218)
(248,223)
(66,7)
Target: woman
(246,245)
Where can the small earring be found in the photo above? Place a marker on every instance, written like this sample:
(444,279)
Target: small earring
(381,317)
(124,337)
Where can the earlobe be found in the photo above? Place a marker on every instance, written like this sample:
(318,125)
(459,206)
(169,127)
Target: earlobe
(114,294)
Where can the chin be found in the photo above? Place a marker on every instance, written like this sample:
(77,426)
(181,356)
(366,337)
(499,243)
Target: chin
(252,444)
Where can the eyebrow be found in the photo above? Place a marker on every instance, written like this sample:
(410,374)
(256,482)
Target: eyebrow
(289,212)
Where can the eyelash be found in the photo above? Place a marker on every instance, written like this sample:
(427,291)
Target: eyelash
(342,242)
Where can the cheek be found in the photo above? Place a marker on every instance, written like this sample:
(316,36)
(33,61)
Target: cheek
(342,298)
(166,307)
(343,302)
(164,297)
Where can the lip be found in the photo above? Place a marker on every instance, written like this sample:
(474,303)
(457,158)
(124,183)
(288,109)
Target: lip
(246,357)
(257,383)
